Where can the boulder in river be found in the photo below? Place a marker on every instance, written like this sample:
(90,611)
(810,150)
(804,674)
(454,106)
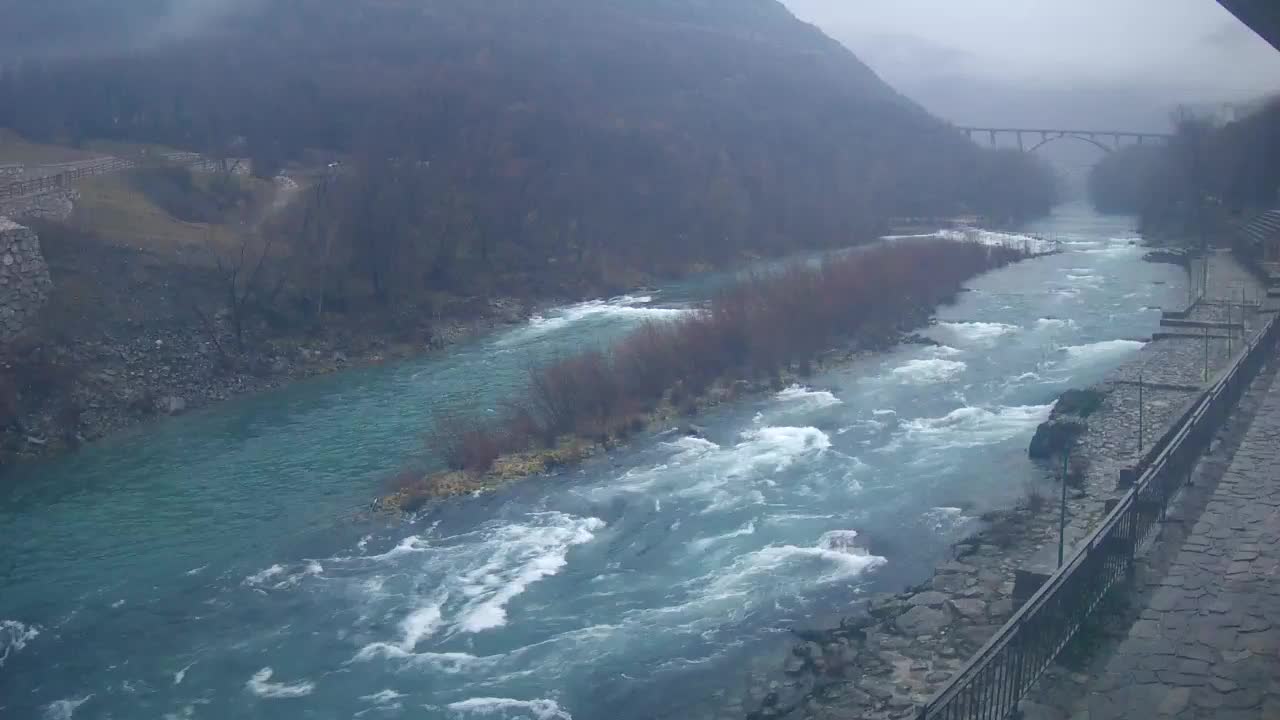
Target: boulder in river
(1055,436)
(172,405)
(1066,423)
(1081,403)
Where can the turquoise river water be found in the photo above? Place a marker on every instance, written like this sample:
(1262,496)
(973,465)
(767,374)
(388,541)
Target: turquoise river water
(217,566)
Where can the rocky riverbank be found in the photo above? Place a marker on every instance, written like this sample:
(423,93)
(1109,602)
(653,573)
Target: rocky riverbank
(119,379)
(897,650)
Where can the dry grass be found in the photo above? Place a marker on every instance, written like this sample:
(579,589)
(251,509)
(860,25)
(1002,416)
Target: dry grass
(115,210)
(120,214)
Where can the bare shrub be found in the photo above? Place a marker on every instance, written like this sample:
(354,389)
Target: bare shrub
(1036,500)
(758,327)
(466,444)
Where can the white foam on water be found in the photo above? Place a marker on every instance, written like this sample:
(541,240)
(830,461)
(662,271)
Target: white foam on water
(633,307)
(999,239)
(1090,281)
(982,333)
(925,372)
(945,519)
(776,447)
(1055,324)
(261,577)
(975,426)
(420,624)
(1114,249)
(64,709)
(691,448)
(789,517)
(449,663)
(522,555)
(1105,350)
(181,675)
(407,546)
(837,549)
(725,501)
(701,544)
(509,709)
(196,571)
(383,697)
(14,636)
(943,351)
(808,398)
(287,578)
(260,685)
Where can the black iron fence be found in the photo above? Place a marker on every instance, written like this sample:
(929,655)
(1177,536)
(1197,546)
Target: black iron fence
(992,683)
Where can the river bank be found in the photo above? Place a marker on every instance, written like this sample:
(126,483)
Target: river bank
(897,649)
(143,373)
(119,346)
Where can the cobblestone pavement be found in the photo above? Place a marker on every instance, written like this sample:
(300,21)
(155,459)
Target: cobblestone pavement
(1174,371)
(1203,638)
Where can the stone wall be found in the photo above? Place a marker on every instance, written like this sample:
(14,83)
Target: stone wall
(24,278)
(45,206)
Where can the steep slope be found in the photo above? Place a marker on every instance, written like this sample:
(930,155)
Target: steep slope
(665,131)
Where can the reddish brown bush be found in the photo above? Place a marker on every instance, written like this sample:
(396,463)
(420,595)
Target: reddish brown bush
(466,444)
(760,326)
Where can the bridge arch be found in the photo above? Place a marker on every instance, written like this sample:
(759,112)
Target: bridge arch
(1105,140)
(1082,138)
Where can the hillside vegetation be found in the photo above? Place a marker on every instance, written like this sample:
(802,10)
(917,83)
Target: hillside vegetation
(613,135)
(1204,176)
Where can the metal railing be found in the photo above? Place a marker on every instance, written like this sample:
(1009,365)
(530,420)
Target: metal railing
(997,677)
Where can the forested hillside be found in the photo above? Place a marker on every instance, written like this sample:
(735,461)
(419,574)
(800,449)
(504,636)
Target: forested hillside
(603,133)
(1205,174)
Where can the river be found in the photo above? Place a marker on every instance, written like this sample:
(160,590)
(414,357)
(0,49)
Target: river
(217,566)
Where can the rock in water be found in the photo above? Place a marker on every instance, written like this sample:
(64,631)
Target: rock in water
(172,405)
(1055,436)
(1081,403)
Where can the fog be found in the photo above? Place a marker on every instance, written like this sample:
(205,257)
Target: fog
(87,29)
(1122,64)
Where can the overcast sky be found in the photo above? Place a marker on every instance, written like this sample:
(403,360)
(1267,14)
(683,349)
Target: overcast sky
(1096,62)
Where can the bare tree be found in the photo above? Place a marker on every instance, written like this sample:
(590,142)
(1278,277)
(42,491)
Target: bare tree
(244,282)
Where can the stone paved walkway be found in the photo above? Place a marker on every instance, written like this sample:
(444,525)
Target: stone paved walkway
(1206,644)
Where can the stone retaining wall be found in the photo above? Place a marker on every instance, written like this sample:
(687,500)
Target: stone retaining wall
(24,278)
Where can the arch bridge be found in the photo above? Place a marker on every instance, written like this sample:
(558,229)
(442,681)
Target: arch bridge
(1032,139)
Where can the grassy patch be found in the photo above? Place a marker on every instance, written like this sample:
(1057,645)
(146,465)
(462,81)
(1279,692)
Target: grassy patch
(119,212)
